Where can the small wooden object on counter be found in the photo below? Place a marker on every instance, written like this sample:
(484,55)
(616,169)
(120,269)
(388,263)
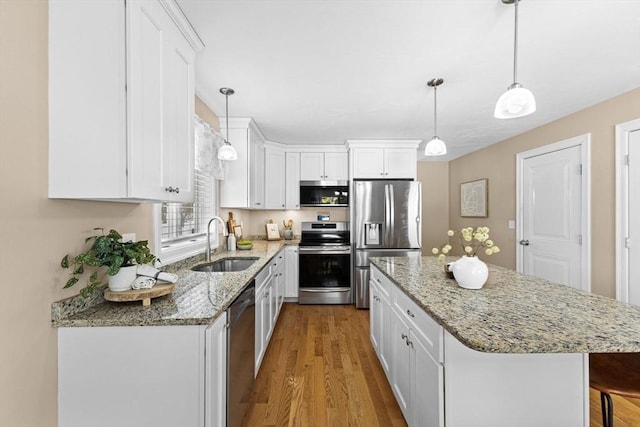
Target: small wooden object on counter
(272,231)
(144,295)
(231,224)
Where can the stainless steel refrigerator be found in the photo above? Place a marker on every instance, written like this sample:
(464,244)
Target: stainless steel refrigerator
(386,217)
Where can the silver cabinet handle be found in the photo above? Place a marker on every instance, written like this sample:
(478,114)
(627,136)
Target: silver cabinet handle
(169,189)
(524,242)
(410,313)
(177,190)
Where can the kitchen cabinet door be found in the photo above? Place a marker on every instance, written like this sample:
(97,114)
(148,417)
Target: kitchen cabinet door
(292,181)
(262,325)
(368,163)
(427,386)
(215,408)
(150,376)
(244,179)
(256,174)
(161,107)
(400,163)
(328,166)
(275,178)
(387,163)
(401,381)
(312,166)
(336,166)
(291,272)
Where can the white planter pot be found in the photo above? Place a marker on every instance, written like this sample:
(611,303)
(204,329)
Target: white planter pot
(122,281)
(470,272)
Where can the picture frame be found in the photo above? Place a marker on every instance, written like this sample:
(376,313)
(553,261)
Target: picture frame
(237,230)
(474,201)
(272,232)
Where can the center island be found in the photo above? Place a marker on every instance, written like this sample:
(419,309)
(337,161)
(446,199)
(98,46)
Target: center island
(512,353)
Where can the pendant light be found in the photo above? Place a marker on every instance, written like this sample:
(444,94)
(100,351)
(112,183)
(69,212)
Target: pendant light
(516,101)
(436,146)
(227,152)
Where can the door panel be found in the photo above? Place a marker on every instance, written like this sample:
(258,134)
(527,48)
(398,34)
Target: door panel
(552,221)
(634,217)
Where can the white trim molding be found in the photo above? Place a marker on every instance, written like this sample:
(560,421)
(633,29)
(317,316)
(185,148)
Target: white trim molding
(584,141)
(622,207)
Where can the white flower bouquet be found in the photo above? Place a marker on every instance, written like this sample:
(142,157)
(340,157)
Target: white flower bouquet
(472,241)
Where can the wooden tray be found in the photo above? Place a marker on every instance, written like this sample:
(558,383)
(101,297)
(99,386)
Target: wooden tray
(144,295)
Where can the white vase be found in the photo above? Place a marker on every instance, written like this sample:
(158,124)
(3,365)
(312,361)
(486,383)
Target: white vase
(470,272)
(123,279)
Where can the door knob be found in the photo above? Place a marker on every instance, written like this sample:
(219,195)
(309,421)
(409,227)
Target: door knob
(524,242)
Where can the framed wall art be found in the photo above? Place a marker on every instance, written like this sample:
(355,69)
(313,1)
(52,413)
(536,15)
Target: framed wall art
(474,198)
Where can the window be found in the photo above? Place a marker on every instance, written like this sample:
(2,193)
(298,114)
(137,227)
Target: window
(181,228)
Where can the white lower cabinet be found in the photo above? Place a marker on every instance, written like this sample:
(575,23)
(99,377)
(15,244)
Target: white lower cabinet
(142,375)
(380,312)
(439,381)
(291,273)
(263,314)
(270,288)
(215,407)
(416,377)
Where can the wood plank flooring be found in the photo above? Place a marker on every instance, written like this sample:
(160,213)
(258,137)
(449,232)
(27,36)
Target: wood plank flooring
(321,370)
(626,411)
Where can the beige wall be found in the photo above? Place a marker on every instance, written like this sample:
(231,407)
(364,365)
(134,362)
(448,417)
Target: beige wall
(435,203)
(36,232)
(497,163)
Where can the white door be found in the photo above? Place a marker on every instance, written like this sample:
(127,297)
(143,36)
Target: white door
(553,213)
(628,212)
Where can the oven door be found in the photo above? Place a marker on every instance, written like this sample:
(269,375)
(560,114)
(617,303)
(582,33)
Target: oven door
(325,276)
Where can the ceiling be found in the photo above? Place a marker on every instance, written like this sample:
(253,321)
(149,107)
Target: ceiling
(324,71)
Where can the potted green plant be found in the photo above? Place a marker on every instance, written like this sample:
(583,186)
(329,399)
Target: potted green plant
(108,250)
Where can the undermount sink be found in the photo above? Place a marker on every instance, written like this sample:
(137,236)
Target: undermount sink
(224,265)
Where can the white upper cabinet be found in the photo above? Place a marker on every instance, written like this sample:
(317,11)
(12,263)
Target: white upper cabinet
(328,166)
(275,178)
(121,101)
(292,178)
(373,160)
(244,179)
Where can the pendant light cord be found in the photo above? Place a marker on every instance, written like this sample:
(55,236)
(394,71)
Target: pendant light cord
(515,46)
(435,110)
(226,97)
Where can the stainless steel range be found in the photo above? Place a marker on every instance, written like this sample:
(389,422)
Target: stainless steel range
(325,263)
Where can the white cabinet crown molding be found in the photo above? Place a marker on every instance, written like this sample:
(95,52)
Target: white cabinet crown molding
(383,143)
(187,30)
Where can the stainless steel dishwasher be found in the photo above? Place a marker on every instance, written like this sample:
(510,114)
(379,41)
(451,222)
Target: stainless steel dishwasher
(241,354)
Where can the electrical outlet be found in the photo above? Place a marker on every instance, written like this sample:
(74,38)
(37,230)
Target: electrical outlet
(129,237)
(511,224)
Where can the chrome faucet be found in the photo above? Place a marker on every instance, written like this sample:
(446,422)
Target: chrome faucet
(207,252)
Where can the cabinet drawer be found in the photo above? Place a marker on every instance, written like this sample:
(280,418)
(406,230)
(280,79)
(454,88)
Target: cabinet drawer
(384,284)
(262,277)
(420,322)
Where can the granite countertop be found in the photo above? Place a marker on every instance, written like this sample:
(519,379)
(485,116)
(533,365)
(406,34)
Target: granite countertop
(199,297)
(517,314)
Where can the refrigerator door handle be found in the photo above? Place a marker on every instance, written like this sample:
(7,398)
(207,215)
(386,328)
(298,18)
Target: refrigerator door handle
(388,214)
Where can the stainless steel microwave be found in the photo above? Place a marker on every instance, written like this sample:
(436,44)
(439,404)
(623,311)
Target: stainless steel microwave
(324,193)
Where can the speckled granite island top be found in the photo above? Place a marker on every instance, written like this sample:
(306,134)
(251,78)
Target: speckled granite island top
(518,314)
(199,297)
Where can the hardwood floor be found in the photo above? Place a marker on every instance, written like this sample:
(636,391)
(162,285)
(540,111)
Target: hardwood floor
(321,370)
(626,412)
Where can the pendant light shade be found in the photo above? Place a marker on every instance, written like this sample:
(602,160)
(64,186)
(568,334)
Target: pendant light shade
(516,101)
(435,147)
(227,152)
